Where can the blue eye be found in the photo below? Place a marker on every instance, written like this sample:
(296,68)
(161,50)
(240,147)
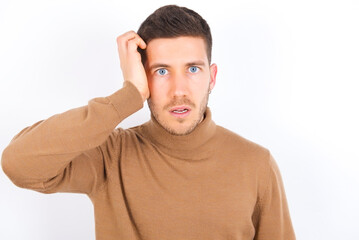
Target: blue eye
(162,71)
(193,69)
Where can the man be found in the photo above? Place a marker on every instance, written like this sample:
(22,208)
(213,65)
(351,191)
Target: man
(177,176)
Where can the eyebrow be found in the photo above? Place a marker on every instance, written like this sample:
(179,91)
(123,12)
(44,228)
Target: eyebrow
(158,65)
(196,63)
(163,65)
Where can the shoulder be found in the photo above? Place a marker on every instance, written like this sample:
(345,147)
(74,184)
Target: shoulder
(254,158)
(128,136)
(118,137)
(247,153)
(239,143)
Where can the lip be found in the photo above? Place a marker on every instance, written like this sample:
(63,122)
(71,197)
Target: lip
(180,107)
(180,115)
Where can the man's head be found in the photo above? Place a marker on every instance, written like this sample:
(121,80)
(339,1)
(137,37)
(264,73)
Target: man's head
(177,63)
(173,21)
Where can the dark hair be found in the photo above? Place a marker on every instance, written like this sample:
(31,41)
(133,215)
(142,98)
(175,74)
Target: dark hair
(172,21)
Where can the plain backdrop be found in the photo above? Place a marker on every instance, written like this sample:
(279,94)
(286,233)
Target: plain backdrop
(287,80)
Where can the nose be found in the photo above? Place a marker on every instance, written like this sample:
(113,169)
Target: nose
(179,85)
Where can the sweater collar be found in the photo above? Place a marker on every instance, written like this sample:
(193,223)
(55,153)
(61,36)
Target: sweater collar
(193,146)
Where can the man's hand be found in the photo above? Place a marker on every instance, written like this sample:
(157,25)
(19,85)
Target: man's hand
(130,58)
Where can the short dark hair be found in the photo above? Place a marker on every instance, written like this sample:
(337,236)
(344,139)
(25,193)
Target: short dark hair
(172,21)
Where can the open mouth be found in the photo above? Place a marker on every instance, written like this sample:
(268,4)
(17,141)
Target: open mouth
(181,111)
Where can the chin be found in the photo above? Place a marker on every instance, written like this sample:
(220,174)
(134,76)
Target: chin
(179,132)
(180,128)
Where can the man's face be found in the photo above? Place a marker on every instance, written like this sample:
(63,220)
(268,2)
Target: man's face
(179,80)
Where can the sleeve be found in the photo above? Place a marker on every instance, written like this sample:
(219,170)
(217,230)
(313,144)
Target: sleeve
(65,153)
(274,222)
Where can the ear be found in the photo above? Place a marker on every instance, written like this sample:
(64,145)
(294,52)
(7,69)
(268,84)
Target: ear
(213,75)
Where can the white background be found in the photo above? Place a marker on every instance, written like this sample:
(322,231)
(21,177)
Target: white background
(288,73)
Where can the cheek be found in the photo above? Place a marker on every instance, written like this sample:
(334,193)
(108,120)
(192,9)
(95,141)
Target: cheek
(152,85)
(157,93)
(155,88)
(202,85)
(201,79)
(158,85)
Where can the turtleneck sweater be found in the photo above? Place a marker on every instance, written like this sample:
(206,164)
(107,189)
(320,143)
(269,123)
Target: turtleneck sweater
(147,184)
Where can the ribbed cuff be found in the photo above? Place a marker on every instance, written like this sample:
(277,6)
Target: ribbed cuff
(127,100)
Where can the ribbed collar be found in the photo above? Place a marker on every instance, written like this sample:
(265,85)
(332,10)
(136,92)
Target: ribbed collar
(193,146)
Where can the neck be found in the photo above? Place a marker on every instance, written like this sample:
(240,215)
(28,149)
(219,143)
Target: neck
(190,146)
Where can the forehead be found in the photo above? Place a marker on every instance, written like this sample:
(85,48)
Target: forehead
(176,50)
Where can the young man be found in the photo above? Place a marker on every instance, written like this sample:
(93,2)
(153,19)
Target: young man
(177,176)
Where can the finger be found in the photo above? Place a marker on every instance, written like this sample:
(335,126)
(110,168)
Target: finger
(130,41)
(123,39)
(127,35)
(141,43)
(136,42)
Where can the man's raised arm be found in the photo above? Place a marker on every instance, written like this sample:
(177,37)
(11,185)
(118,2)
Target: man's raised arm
(62,153)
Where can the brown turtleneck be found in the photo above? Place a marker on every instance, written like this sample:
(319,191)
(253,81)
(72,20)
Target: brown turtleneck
(147,184)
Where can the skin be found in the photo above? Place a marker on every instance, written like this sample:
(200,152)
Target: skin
(176,73)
